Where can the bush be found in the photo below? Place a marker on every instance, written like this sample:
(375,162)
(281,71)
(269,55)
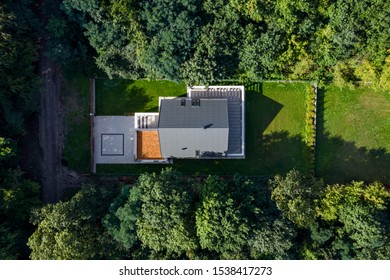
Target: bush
(310,125)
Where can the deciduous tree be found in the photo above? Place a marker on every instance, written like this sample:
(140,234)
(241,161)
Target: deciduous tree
(73,229)
(296,197)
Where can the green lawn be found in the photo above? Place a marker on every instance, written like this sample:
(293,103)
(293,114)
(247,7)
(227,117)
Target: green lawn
(119,97)
(353,135)
(275,119)
(77,127)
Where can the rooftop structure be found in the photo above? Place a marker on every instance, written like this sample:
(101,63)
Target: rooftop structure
(193,128)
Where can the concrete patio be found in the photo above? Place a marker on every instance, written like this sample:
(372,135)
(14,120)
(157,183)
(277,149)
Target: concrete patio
(114,139)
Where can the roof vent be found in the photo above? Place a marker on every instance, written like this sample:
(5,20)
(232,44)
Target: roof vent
(195,102)
(183,102)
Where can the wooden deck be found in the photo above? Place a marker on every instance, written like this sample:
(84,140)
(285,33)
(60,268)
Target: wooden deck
(148,145)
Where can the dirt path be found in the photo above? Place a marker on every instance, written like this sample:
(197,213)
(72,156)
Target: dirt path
(55,178)
(49,130)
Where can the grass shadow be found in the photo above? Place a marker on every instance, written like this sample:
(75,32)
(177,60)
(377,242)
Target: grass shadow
(119,97)
(136,98)
(341,161)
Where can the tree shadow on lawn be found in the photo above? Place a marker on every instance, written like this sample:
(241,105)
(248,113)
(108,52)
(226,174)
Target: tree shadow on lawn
(119,97)
(136,99)
(341,161)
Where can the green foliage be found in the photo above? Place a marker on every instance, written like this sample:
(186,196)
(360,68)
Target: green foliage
(357,221)
(172,28)
(112,31)
(259,53)
(17,78)
(296,197)
(219,225)
(167,206)
(339,196)
(310,125)
(202,41)
(7,148)
(18,197)
(73,229)
(10,242)
(273,240)
(223,218)
(124,212)
(215,57)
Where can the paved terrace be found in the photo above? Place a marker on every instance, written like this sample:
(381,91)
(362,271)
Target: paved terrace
(114,138)
(235,98)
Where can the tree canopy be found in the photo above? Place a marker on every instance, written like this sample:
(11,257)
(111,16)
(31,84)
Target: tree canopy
(202,41)
(73,229)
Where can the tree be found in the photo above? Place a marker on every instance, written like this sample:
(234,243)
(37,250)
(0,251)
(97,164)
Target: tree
(113,31)
(17,78)
(172,28)
(124,212)
(215,57)
(165,223)
(359,213)
(296,197)
(221,221)
(273,240)
(18,197)
(260,51)
(73,229)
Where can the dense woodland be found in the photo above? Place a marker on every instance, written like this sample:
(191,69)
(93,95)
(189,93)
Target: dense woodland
(201,41)
(18,86)
(167,215)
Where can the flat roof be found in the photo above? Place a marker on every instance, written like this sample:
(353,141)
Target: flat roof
(195,113)
(148,145)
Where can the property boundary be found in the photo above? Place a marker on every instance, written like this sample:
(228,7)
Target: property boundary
(311,163)
(315,124)
(311,126)
(91,121)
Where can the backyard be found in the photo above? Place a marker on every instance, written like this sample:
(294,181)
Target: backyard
(275,118)
(120,97)
(353,135)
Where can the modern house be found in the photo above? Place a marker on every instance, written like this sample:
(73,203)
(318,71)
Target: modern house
(207,123)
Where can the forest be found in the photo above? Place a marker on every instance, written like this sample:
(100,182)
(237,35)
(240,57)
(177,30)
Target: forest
(166,215)
(201,41)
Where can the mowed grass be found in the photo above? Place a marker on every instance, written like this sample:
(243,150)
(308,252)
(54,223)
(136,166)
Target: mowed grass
(353,135)
(77,152)
(120,97)
(275,118)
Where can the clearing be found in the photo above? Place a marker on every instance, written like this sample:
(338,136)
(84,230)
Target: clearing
(353,135)
(275,118)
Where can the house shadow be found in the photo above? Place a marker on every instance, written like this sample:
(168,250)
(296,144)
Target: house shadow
(260,109)
(341,161)
(271,153)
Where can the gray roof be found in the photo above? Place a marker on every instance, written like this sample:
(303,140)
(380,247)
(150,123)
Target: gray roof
(188,131)
(210,112)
